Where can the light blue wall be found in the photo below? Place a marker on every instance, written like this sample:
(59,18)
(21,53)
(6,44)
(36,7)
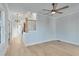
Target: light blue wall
(42,32)
(52,28)
(67,28)
(5,30)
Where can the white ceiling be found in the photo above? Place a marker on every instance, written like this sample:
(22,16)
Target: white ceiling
(37,7)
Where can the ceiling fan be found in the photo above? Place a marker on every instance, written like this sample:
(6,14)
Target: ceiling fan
(54,9)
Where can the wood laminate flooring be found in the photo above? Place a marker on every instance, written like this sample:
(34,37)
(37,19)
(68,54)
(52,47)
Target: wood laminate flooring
(51,48)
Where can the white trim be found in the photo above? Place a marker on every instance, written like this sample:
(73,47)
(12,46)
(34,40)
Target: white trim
(3,26)
(64,40)
(69,42)
(30,44)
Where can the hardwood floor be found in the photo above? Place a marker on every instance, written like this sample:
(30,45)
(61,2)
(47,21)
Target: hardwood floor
(52,48)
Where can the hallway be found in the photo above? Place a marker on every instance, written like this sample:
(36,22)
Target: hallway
(16,47)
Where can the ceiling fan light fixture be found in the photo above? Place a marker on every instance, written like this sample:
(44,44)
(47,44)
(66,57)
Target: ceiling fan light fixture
(53,12)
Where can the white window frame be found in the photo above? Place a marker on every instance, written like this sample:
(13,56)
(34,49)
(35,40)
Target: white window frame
(2,23)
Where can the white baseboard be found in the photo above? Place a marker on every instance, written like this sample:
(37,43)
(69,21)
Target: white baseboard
(69,42)
(30,44)
(40,42)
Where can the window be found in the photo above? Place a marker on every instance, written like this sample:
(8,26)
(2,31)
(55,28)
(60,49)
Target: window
(30,23)
(0,27)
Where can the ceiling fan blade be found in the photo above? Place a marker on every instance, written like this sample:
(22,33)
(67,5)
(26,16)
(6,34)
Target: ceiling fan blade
(46,10)
(46,13)
(54,5)
(59,12)
(62,8)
